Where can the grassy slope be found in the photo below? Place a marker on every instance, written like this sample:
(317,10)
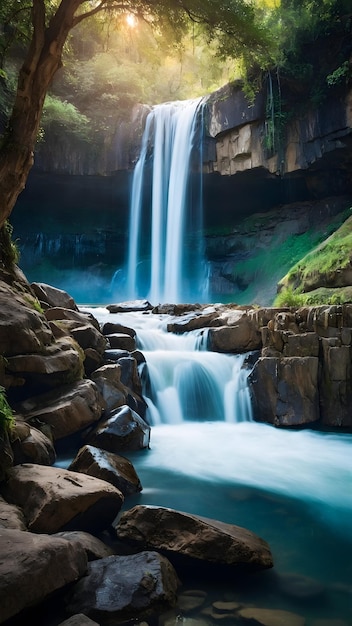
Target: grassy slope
(317,277)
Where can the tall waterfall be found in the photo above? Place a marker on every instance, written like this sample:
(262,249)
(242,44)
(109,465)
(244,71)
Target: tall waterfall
(165,253)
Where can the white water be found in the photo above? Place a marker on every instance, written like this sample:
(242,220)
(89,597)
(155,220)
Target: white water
(165,263)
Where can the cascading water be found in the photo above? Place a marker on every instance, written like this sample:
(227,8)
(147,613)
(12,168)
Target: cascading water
(186,383)
(165,252)
(293,488)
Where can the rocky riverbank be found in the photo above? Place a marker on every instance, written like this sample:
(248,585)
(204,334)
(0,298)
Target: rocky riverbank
(72,385)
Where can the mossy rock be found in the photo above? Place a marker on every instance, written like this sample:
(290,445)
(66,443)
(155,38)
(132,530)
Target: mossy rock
(324,275)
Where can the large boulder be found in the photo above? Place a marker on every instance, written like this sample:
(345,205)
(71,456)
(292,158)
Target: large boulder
(113,468)
(23,330)
(67,410)
(59,363)
(200,539)
(51,296)
(34,566)
(117,589)
(55,499)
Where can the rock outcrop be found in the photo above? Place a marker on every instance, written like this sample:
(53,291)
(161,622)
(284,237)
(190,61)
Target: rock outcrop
(198,539)
(33,566)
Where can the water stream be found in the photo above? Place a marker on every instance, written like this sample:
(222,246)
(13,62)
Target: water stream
(165,250)
(208,457)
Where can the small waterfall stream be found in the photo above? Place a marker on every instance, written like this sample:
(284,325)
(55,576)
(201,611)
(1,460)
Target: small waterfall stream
(184,382)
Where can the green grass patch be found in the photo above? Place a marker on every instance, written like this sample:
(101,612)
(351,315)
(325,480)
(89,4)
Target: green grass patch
(331,255)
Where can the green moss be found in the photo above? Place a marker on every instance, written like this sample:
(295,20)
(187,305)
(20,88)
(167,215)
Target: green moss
(334,254)
(34,303)
(9,253)
(6,415)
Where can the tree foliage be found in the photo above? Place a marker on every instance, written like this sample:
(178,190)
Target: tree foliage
(45,26)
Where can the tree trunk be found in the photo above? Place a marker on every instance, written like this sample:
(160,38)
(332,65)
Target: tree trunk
(42,62)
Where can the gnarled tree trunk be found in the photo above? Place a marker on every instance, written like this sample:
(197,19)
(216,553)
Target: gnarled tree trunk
(42,62)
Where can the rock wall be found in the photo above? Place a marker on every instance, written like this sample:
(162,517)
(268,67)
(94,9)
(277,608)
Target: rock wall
(322,135)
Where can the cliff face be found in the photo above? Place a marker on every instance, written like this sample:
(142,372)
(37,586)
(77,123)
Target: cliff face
(313,143)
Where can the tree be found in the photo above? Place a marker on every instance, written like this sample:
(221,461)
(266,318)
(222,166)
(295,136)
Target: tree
(49,26)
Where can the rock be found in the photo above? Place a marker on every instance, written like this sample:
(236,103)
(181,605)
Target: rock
(55,499)
(34,447)
(94,547)
(119,384)
(129,374)
(53,297)
(92,360)
(23,330)
(119,588)
(303,344)
(176,309)
(58,363)
(107,466)
(11,516)
(67,409)
(34,566)
(108,380)
(336,384)
(123,430)
(80,317)
(271,617)
(129,306)
(89,337)
(242,336)
(121,341)
(110,328)
(201,539)
(194,321)
(284,391)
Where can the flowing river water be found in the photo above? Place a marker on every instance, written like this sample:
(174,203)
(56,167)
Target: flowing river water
(209,457)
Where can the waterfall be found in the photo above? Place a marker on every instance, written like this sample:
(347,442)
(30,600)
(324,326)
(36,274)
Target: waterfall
(165,251)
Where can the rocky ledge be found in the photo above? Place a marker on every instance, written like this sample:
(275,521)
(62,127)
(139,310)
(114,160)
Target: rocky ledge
(68,540)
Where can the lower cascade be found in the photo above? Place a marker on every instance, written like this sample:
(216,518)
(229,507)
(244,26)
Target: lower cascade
(208,456)
(184,382)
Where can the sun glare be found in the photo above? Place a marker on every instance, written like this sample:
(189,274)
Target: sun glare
(131,20)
